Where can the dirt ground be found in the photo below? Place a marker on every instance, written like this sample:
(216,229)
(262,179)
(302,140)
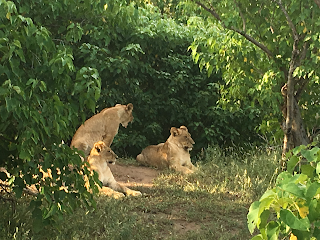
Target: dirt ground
(129,176)
(133,175)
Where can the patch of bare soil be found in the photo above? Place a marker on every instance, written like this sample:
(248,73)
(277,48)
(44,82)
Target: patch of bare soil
(129,176)
(133,175)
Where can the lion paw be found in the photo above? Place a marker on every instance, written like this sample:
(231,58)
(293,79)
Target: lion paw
(109,192)
(133,193)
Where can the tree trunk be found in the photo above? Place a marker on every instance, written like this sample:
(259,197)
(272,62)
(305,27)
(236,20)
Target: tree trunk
(317,2)
(294,131)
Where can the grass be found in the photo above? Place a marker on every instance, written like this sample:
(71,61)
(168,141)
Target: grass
(210,204)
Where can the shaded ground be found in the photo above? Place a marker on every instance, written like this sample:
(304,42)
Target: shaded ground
(129,176)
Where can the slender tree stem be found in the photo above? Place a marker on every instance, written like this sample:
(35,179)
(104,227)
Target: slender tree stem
(247,36)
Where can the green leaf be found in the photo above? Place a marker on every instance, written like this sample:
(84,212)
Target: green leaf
(12,103)
(253,216)
(272,230)
(308,170)
(52,211)
(298,149)
(70,26)
(17,89)
(284,178)
(91,105)
(314,212)
(258,237)
(30,81)
(264,216)
(313,190)
(318,168)
(295,189)
(24,154)
(302,235)
(316,233)
(310,155)
(19,52)
(292,163)
(293,222)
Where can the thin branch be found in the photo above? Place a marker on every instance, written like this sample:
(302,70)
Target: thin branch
(242,17)
(6,139)
(291,25)
(254,41)
(247,36)
(212,11)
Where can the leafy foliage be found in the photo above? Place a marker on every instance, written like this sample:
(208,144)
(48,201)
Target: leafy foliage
(63,61)
(251,43)
(291,208)
(149,66)
(43,97)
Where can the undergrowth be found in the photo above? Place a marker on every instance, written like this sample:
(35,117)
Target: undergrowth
(209,204)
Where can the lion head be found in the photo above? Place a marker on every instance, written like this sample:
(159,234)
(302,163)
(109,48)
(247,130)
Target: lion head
(105,153)
(125,114)
(182,137)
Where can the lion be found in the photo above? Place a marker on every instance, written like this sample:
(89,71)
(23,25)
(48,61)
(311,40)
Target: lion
(173,154)
(100,156)
(102,127)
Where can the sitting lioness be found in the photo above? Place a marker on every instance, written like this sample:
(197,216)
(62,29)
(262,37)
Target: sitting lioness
(173,154)
(99,158)
(102,127)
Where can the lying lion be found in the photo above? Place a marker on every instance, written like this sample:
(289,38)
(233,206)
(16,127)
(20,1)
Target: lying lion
(173,154)
(102,127)
(100,156)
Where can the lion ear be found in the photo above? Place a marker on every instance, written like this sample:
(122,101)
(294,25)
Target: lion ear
(174,131)
(184,128)
(129,107)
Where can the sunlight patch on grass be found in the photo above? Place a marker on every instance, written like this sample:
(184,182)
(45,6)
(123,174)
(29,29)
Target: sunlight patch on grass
(212,203)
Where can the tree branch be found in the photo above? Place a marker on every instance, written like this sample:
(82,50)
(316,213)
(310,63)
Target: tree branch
(291,25)
(212,11)
(6,139)
(242,33)
(242,17)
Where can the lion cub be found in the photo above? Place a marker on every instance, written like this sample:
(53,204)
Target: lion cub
(173,154)
(100,156)
(102,127)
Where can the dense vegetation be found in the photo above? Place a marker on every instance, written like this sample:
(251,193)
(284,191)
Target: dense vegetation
(268,53)
(178,62)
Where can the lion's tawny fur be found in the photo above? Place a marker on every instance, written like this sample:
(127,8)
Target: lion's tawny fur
(173,154)
(102,127)
(100,156)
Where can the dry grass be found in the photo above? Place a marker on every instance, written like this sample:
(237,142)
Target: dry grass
(210,204)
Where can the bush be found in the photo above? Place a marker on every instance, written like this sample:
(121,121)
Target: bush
(291,208)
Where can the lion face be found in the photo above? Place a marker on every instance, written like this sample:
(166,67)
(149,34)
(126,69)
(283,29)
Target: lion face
(100,149)
(126,114)
(182,137)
